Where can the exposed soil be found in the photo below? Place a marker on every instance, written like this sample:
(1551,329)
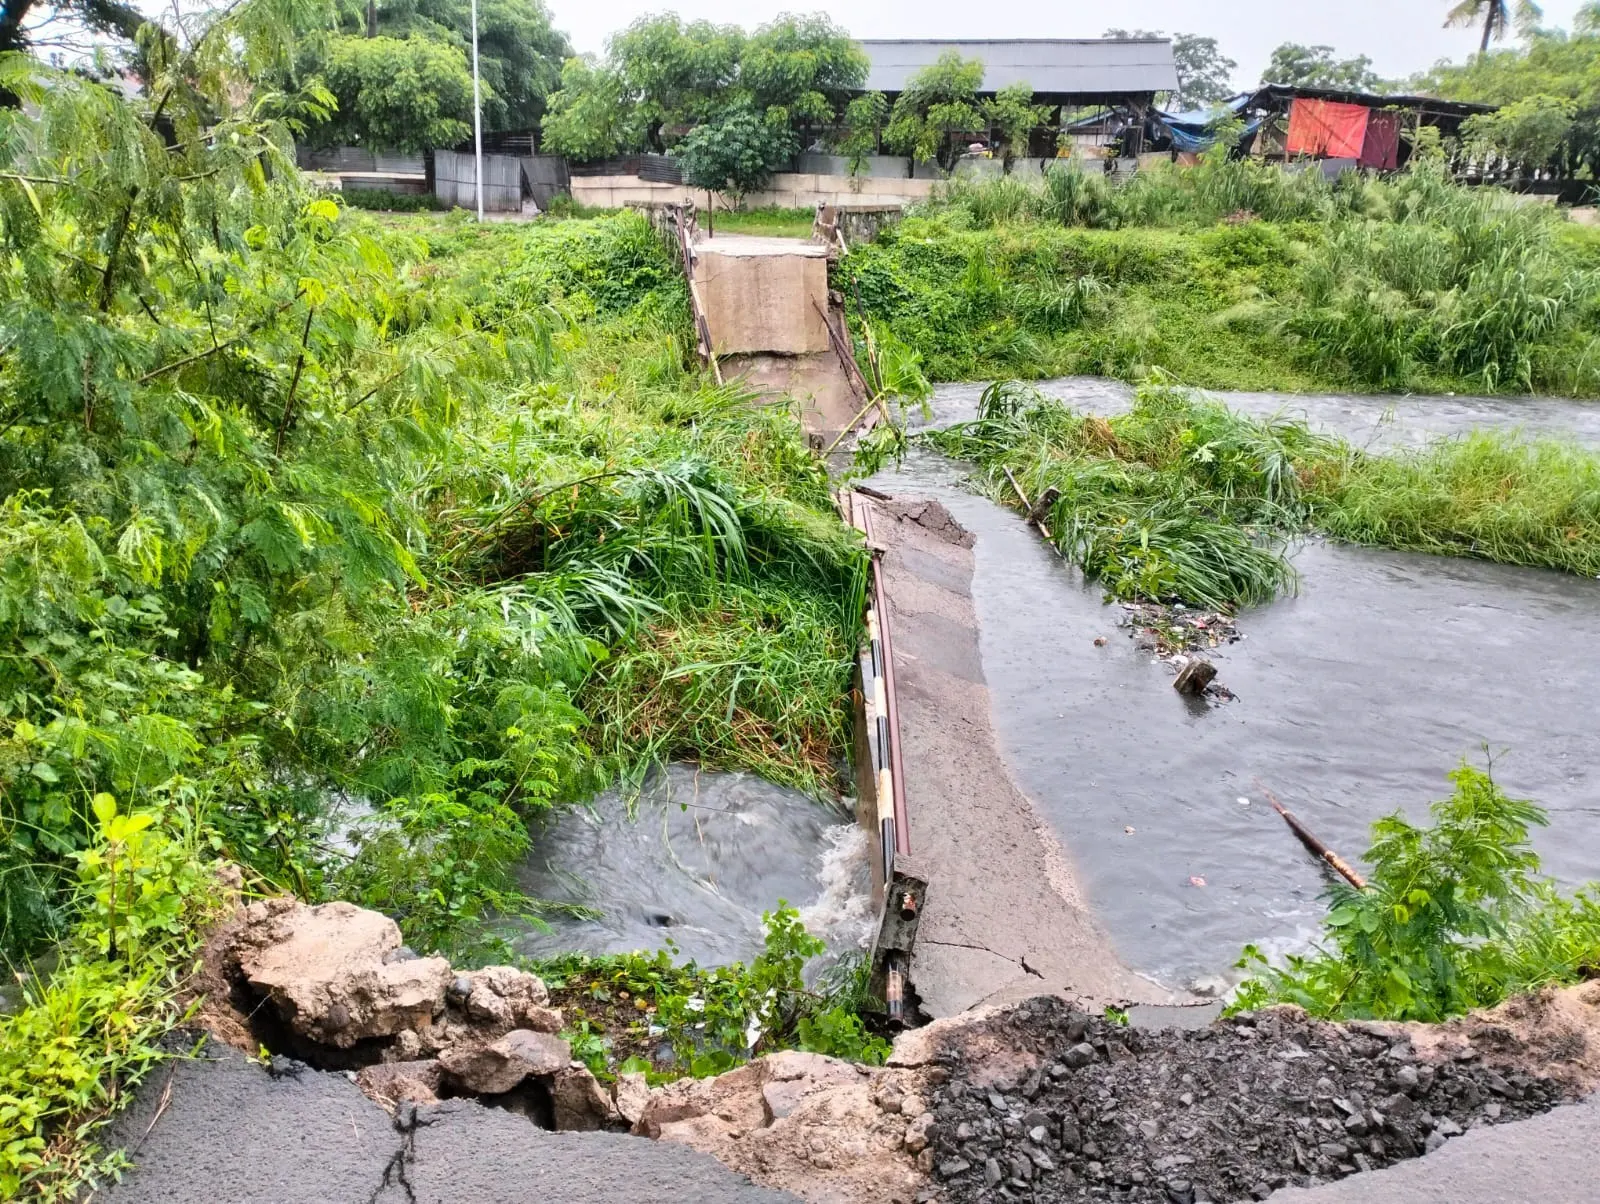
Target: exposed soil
(1090,1110)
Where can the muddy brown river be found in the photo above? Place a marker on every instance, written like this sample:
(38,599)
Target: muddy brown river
(1355,698)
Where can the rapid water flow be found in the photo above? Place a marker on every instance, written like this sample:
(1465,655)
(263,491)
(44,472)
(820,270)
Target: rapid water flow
(697,861)
(1354,698)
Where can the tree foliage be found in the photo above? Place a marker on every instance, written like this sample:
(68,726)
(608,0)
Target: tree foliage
(1551,72)
(520,53)
(398,94)
(938,107)
(1316,67)
(1494,15)
(1011,111)
(1205,74)
(662,75)
(736,152)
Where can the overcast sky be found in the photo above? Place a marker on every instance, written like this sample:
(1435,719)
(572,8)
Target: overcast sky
(1400,36)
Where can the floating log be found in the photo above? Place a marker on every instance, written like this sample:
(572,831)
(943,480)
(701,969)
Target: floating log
(1317,849)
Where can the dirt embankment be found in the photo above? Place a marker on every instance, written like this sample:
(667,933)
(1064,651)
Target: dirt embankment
(1038,1100)
(1041,1101)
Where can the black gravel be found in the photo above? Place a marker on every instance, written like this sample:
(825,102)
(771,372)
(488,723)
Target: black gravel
(1225,1113)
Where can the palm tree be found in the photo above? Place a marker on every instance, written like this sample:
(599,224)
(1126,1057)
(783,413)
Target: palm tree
(1495,15)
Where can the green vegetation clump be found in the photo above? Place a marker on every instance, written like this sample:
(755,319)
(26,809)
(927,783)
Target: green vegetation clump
(1236,274)
(648,1013)
(1184,500)
(1454,916)
(85,1033)
(384,201)
(341,547)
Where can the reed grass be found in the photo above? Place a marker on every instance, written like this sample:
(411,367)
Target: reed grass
(1183,500)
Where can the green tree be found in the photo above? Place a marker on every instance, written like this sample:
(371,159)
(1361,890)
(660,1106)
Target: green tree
(939,105)
(1205,74)
(1552,64)
(662,74)
(520,53)
(735,153)
(1014,114)
(402,94)
(1493,15)
(863,122)
(1316,67)
(805,68)
(1528,132)
(591,115)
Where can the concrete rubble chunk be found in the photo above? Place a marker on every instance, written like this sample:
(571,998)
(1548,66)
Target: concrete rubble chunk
(581,1104)
(508,997)
(631,1094)
(394,1083)
(497,1068)
(324,970)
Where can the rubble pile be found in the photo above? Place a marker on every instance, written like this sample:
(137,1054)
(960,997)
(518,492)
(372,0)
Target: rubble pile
(1228,1112)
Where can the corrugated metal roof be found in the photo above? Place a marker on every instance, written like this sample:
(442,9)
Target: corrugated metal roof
(1088,67)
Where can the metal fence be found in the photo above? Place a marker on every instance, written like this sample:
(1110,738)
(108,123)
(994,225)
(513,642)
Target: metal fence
(455,181)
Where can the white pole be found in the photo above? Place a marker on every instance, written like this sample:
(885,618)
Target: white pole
(477,112)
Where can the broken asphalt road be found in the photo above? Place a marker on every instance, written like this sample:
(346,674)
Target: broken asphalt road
(220,1129)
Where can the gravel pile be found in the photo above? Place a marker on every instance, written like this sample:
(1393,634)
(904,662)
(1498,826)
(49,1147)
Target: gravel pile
(1226,1113)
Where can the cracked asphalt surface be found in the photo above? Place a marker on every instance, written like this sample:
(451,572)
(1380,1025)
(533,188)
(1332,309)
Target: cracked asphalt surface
(221,1130)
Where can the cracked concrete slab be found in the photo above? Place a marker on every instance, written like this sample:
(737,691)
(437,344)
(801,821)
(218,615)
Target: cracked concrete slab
(220,1129)
(1005,919)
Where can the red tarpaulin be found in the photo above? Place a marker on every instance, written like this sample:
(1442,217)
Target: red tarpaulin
(1325,128)
(1381,150)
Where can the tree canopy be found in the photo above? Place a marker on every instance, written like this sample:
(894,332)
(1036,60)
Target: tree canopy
(1205,74)
(940,103)
(400,94)
(661,76)
(519,52)
(405,83)
(1549,87)
(736,152)
(1316,67)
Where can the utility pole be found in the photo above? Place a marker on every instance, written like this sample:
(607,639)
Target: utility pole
(477,113)
(372,18)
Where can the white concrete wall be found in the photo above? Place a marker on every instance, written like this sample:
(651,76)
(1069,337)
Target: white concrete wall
(787,190)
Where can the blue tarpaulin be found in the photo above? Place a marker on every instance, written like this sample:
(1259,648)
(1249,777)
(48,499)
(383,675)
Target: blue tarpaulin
(1191,130)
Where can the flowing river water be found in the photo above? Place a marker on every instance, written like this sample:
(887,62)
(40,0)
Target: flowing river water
(1354,697)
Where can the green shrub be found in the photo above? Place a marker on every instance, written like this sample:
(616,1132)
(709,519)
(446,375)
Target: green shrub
(1454,917)
(385,201)
(87,1032)
(711,1019)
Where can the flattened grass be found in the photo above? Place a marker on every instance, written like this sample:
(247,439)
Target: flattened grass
(1183,500)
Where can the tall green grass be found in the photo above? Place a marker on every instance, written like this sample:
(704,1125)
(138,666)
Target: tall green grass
(1239,274)
(1183,500)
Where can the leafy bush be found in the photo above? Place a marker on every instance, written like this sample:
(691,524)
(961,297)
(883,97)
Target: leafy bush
(1454,917)
(623,1008)
(87,1032)
(383,200)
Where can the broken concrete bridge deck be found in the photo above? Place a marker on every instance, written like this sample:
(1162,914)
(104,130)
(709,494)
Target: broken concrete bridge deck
(1004,919)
